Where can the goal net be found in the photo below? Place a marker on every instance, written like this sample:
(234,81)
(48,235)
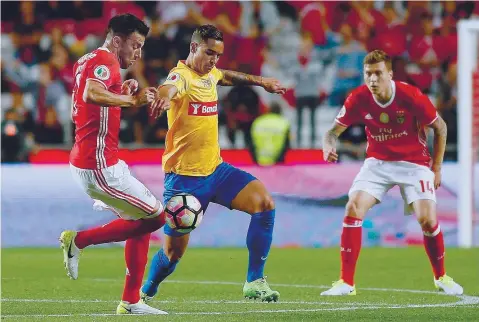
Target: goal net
(468,128)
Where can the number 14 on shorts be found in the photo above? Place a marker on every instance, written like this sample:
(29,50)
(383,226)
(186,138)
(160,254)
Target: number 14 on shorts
(426,186)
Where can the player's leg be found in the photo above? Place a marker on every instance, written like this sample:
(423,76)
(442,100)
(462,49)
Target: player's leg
(136,257)
(368,188)
(351,238)
(119,191)
(115,189)
(425,211)
(164,262)
(240,190)
(418,191)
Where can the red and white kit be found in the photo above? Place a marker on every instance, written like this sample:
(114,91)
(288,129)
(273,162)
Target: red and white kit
(94,160)
(397,152)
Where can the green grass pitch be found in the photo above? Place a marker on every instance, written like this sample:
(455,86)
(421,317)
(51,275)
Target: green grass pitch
(394,284)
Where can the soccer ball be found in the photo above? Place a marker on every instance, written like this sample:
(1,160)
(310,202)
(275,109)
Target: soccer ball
(183,212)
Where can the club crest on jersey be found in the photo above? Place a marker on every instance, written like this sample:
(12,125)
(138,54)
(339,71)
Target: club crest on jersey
(203,109)
(206,83)
(400,117)
(102,72)
(173,77)
(384,118)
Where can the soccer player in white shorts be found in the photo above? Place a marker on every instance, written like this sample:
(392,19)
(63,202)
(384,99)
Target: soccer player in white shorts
(396,116)
(97,99)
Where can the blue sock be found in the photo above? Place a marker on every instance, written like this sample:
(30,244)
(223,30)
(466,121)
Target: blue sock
(160,268)
(258,240)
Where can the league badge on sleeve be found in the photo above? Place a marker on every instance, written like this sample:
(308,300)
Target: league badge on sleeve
(102,72)
(173,77)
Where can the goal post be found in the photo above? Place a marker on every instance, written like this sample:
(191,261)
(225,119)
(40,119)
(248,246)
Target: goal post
(468,34)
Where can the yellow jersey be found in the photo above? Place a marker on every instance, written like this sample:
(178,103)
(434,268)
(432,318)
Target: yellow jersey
(192,146)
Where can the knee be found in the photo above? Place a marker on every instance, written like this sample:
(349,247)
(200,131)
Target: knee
(353,210)
(261,202)
(427,222)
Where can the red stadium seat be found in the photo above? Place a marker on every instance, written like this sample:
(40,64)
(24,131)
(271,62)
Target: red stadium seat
(91,26)
(66,25)
(7,27)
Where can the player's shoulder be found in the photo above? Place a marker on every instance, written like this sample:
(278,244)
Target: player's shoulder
(99,56)
(357,95)
(406,91)
(179,72)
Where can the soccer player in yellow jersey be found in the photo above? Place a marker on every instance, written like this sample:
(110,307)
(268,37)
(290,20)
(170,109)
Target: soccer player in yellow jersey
(192,161)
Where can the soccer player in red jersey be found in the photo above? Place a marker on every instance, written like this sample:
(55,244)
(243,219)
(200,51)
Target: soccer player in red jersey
(97,100)
(396,116)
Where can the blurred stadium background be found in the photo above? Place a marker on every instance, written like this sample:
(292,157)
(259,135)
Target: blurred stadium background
(314,48)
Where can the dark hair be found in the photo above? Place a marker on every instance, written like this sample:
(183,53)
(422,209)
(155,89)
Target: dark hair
(377,56)
(205,32)
(127,24)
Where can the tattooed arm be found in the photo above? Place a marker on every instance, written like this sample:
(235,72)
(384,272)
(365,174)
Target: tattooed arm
(232,78)
(331,140)
(440,137)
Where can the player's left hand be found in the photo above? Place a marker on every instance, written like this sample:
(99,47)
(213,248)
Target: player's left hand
(273,85)
(437,178)
(129,87)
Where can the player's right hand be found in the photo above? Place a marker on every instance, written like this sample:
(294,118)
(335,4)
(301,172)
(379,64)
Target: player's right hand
(330,155)
(145,96)
(159,105)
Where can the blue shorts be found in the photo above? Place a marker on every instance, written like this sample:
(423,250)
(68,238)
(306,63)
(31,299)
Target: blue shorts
(220,187)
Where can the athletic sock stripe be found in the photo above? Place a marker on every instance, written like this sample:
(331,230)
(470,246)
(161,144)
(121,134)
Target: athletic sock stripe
(121,195)
(434,233)
(352,226)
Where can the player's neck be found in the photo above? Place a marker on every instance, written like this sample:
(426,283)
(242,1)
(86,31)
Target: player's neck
(111,49)
(385,96)
(189,63)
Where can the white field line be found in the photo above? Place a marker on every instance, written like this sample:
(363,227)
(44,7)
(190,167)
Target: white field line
(194,302)
(400,290)
(464,301)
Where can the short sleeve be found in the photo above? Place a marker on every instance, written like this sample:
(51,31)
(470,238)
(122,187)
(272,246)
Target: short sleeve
(218,73)
(424,109)
(179,79)
(104,72)
(348,114)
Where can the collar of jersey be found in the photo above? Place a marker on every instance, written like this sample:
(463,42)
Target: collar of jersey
(192,70)
(105,49)
(393,84)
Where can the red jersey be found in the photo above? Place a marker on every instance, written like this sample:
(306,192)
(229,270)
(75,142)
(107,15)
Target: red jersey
(395,130)
(96,127)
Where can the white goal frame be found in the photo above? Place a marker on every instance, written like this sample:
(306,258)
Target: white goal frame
(468,33)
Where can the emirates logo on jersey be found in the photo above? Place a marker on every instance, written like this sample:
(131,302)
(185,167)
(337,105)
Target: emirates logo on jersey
(203,109)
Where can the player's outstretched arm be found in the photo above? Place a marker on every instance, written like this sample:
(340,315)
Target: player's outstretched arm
(440,137)
(96,93)
(330,142)
(162,101)
(232,78)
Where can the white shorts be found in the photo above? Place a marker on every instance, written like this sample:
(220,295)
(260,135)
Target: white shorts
(116,189)
(376,177)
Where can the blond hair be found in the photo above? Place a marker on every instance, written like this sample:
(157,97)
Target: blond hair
(377,56)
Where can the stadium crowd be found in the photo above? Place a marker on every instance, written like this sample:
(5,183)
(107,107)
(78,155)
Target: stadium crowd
(315,48)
